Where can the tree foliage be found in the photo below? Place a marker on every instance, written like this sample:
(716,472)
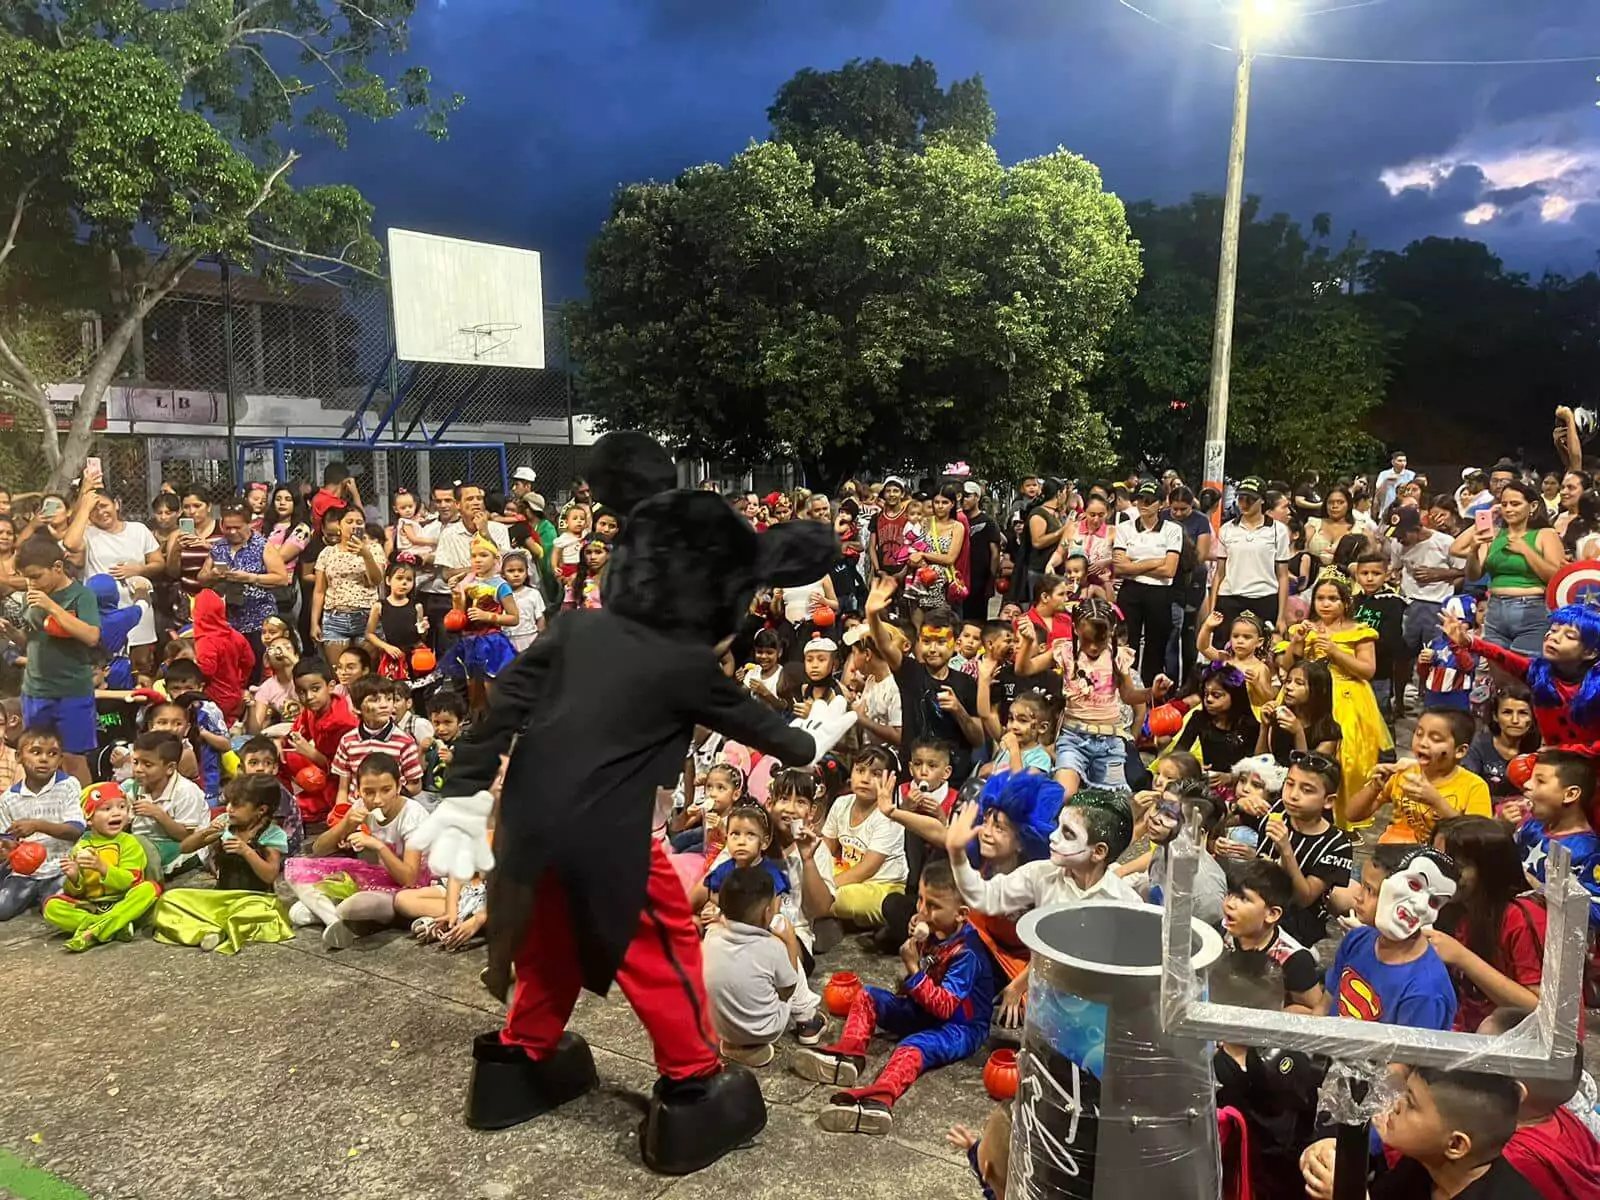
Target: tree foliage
(138,136)
(1308,358)
(1479,350)
(872,285)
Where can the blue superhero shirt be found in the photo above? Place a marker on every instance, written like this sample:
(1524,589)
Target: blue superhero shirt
(1418,993)
(1584,846)
(956,982)
(718,875)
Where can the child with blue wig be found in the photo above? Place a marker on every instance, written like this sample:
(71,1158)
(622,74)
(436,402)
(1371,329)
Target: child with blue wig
(1564,679)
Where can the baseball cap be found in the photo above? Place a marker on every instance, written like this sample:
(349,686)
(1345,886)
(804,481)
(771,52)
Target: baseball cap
(1148,490)
(1408,519)
(857,633)
(895,480)
(821,643)
(534,501)
(526,474)
(1251,485)
(972,489)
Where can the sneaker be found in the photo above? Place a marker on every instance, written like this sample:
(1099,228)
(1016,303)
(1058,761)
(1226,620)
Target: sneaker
(211,941)
(300,916)
(809,1033)
(846,1114)
(748,1056)
(338,936)
(422,928)
(822,1066)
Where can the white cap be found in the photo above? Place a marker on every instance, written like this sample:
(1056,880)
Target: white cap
(857,633)
(896,480)
(526,474)
(821,643)
(972,489)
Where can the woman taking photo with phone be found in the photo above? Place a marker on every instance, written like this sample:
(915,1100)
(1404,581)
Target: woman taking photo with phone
(189,549)
(348,577)
(1520,557)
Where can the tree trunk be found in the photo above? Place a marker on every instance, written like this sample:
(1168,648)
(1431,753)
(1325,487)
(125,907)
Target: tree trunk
(826,473)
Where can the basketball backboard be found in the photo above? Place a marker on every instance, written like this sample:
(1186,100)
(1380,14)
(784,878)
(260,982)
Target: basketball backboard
(474,303)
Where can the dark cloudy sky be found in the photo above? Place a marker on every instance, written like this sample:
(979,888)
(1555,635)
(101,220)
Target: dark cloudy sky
(566,99)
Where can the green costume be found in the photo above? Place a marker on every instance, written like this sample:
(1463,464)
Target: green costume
(242,908)
(99,905)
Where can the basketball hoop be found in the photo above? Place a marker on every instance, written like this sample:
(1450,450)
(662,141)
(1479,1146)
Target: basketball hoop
(490,335)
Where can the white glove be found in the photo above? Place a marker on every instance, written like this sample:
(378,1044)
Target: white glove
(456,835)
(827,722)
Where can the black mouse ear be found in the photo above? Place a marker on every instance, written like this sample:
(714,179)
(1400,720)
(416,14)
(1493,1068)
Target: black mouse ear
(628,466)
(795,553)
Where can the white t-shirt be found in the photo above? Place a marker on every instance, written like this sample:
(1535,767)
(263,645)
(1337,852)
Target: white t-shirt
(103,550)
(882,698)
(877,834)
(396,832)
(1138,543)
(530,610)
(183,801)
(1432,551)
(1252,556)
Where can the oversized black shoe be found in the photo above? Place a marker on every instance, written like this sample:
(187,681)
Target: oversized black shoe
(694,1122)
(508,1087)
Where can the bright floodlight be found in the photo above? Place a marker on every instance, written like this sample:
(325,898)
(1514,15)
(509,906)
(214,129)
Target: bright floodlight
(1263,15)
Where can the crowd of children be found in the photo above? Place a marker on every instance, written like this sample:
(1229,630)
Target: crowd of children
(1024,739)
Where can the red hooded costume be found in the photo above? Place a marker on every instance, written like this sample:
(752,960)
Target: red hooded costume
(224,655)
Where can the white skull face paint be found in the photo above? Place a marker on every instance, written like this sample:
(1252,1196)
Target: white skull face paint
(1410,899)
(1069,844)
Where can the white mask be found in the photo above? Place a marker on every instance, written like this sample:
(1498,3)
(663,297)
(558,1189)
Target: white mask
(1069,844)
(1410,899)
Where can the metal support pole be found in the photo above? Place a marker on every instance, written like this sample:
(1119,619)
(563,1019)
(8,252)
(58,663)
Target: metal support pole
(1227,276)
(228,365)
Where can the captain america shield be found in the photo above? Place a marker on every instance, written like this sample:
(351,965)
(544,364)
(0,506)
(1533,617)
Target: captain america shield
(1575,583)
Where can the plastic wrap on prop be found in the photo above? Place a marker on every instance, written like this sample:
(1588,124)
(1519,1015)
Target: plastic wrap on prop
(1541,1047)
(1108,1106)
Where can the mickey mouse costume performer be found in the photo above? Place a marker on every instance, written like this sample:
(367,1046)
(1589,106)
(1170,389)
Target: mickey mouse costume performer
(602,708)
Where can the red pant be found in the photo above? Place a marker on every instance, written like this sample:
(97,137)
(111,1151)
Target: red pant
(660,976)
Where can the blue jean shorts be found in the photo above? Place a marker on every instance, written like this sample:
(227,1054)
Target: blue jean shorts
(1100,759)
(344,624)
(73,716)
(1518,623)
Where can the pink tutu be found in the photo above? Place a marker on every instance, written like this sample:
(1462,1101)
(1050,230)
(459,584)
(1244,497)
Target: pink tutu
(369,877)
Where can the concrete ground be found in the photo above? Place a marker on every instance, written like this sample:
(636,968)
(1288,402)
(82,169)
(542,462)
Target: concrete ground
(163,1073)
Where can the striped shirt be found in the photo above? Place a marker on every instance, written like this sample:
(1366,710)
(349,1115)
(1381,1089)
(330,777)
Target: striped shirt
(56,802)
(1326,856)
(361,741)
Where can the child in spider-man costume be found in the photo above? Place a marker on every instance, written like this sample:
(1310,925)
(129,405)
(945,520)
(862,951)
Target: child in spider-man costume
(602,709)
(941,1013)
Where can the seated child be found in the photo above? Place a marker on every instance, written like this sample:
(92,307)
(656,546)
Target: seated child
(205,726)
(1210,884)
(378,824)
(989,1155)
(447,713)
(1387,971)
(373,697)
(1552,1148)
(105,890)
(869,850)
(969,645)
(410,722)
(1427,787)
(313,739)
(749,838)
(753,973)
(1449,1129)
(247,849)
(1092,832)
(698,829)
(1297,833)
(1258,896)
(1553,810)
(1023,745)
(42,807)
(259,756)
(1257,784)
(941,1012)
(923,811)
(451,911)
(1274,1090)
(167,808)
(1169,769)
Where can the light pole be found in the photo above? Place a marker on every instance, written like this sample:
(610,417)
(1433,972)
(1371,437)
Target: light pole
(1256,15)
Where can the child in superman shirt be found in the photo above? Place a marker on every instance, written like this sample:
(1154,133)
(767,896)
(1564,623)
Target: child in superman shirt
(941,1013)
